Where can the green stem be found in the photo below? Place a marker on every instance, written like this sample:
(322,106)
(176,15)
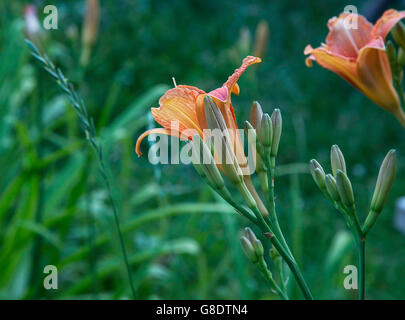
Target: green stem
(271,201)
(362,267)
(292,264)
(267,274)
(280,267)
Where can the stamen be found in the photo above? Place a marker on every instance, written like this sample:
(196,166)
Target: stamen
(174,82)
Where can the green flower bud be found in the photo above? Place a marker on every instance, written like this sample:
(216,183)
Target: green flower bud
(266,132)
(385,180)
(256,115)
(401,57)
(318,174)
(337,160)
(398,33)
(277,128)
(345,189)
(391,53)
(331,187)
(204,161)
(382,188)
(250,133)
(248,249)
(223,148)
(256,244)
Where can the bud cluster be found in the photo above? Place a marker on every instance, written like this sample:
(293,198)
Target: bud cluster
(338,187)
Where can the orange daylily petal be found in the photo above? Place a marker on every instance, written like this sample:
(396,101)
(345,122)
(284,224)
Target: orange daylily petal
(200,111)
(152,131)
(344,67)
(387,21)
(178,104)
(374,73)
(347,41)
(236,89)
(249,60)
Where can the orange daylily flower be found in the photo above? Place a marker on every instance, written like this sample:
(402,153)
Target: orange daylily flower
(358,55)
(184,106)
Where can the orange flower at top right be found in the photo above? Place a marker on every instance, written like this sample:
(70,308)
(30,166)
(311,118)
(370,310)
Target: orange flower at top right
(356,52)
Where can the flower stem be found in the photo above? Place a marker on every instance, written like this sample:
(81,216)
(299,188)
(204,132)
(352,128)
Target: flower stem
(292,264)
(362,266)
(263,267)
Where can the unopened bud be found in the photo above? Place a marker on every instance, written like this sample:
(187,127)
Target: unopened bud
(383,186)
(391,53)
(318,174)
(261,39)
(277,128)
(266,132)
(250,133)
(223,148)
(204,161)
(256,115)
(345,189)
(385,179)
(331,187)
(398,33)
(90,28)
(248,249)
(337,160)
(401,57)
(256,244)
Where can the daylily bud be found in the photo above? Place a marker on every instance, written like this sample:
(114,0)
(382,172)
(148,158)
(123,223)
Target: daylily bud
(277,127)
(337,160)
(256,115)
(391,53)
(398,32)
(266,132)
(317,174)
(254,242)
(248,249)
(90,29)
(401,57)
(250,133)
(384,181)
(345,189)
(331,187)
(383,186)
(261,39)
(223,148)
(202,158)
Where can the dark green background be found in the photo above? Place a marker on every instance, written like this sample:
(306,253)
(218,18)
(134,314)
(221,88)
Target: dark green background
(193,252)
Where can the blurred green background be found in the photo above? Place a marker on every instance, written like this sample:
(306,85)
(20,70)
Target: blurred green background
(182,241)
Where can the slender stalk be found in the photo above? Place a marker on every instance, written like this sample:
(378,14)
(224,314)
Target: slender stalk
(88,128)
(264,227)
(362,267)
(263,267)
(280,267)
(292,264)
(271,201)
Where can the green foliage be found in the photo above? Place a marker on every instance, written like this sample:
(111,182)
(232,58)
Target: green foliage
(51,192)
